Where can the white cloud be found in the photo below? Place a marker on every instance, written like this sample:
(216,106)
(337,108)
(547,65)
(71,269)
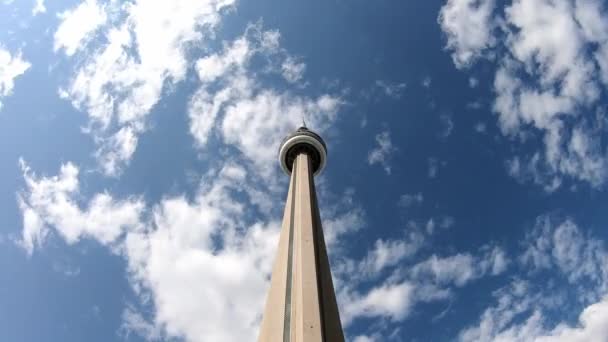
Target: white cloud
(461,268)
(392,300)
(468,25)
(270,114)
(51,201)
(443,222)
(458,269)
(592,324)
(381,153)
(231,257)
(565,247)
(78,25)
(11,67)
(123,78)
(551,63)
(426,82)
(525,312)
(230,252)
(498,261)
(447,125)
(38,7)
(292,69)
(433,167)
(168,259)
(364,338)
(473,82)
(134,322)
(120,80)
(392,90)
(407,200)
(386,253)
(392,295)
(480,127)
(341,221)
(539,46)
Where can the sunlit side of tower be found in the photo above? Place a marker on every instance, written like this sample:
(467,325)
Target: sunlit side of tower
(301,304)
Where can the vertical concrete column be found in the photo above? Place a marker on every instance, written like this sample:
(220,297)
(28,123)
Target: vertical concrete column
(307,311)
(301,305)
(275,319)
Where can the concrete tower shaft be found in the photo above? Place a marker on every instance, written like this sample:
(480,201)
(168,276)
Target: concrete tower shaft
(301,305)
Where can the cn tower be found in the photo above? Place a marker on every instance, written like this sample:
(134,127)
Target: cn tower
(301,304)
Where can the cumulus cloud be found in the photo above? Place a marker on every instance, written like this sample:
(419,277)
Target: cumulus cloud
(52,201)
(549,77)
(124,74)
(78,26)
(226,253)
(11,67)
(468,25)
(270,113)
(381,153)
(170,250)
(577,277)
(38,7)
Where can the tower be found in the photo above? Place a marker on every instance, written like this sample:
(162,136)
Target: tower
(301,304)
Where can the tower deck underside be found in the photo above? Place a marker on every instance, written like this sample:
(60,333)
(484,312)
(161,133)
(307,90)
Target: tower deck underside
(301,305)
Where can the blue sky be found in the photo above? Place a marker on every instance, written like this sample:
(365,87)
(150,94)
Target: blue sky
(463,200)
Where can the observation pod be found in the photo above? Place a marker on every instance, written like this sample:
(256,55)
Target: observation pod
(303,141)
(301,304)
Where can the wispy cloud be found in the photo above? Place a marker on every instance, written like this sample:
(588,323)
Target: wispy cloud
(408,200)
(390,89)
(523,308)
(38,7)
(124,75)
(11,67)
(382,152)
(269,112)
(547,86)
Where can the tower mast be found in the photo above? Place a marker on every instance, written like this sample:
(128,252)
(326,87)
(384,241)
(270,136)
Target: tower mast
(301,304)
